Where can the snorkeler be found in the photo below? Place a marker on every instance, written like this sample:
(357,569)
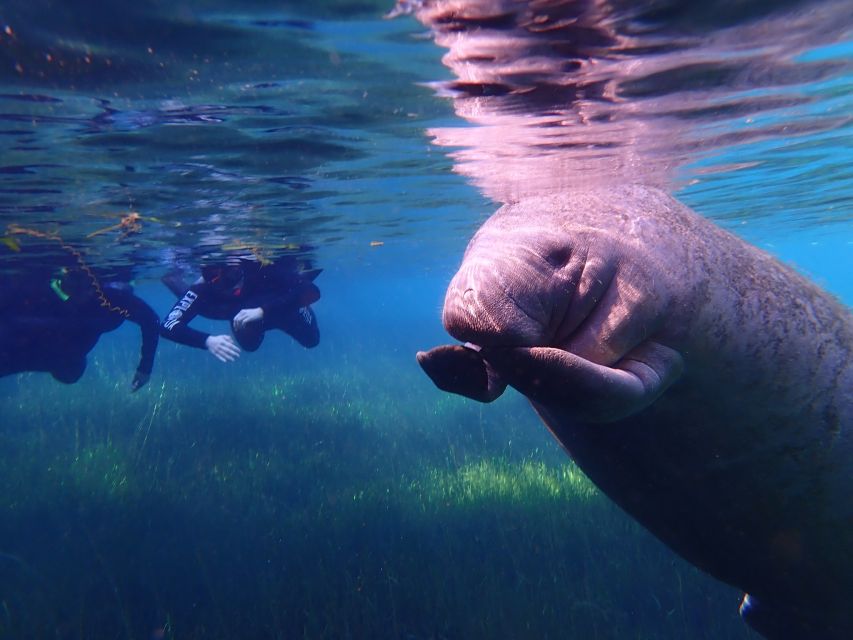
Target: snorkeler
(254,297)
(50,321)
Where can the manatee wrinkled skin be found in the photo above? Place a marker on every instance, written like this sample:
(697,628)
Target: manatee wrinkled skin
(703,386)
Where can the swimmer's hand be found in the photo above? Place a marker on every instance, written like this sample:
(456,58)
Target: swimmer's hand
(139,380)
(247,315)
(223,348)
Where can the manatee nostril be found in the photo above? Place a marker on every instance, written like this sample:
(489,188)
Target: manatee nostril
(558,257)
(468,294)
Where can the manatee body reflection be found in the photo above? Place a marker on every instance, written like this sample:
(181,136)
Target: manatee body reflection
(570,93)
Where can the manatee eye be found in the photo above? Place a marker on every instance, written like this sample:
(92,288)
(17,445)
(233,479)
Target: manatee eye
(558,257)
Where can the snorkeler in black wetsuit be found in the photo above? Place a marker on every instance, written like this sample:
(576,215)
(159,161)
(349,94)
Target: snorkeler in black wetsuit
(255,297)
(50,322)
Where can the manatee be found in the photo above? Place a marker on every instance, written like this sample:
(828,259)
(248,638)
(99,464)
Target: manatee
(701,384)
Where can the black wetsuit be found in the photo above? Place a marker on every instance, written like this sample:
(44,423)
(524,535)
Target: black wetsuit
(43,329)
(283,293)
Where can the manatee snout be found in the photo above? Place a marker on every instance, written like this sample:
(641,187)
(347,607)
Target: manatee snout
(500,301)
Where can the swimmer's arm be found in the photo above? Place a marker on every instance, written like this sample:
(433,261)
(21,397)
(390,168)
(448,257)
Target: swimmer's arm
(175,326)
(144,316)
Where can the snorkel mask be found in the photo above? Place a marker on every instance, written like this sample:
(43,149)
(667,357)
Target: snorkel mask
(56,284)
(223,276)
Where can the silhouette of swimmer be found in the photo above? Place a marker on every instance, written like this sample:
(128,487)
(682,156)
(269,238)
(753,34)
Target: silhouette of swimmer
(50,321)
(254,297)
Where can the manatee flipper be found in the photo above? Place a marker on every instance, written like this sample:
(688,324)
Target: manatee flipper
(461,370)
(592,392)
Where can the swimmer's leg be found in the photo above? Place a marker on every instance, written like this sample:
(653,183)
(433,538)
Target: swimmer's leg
(70,371)
(250,335)
(7,337)
(788,622)
(301,325)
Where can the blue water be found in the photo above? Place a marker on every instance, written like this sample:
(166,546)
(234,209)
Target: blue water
(288,494)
